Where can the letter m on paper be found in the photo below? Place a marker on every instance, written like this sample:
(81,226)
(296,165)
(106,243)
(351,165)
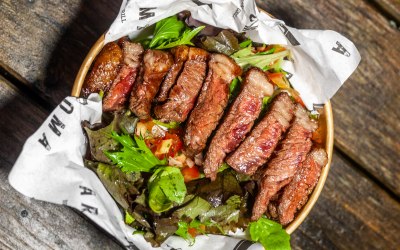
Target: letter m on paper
(145,13)
(54,123)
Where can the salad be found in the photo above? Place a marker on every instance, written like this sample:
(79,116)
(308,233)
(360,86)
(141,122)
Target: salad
(183,108)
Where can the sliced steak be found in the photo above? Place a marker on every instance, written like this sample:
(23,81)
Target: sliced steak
(156,64)
(281,169)
(296,193)
(183,94)
(239,120)
(105,69)
(211,103)
(180,54)
(258,147)
(117,97)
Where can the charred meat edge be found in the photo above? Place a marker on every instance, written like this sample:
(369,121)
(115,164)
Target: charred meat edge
(239,120)
(183,94)
(180,54)
(105,69)
(258,147)
(211,103)
(281,169)
(296,193)
(156,64)
(116,98)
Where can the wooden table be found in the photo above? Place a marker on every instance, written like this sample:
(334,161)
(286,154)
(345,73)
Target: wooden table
(42,44)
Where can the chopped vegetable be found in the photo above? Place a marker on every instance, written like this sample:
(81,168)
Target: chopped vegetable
(246,57)
(245,43)
(193,209)
(167,125)
(234,87)
(171,32)
(190,173)
(128,218)
(189,231)
(135,156)
(225,42)
(270,234)
(166,187)
(185,39)
(224,214)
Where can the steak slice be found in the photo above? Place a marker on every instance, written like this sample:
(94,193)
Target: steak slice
(281,169)
(258,147)
(183,94)
(116,98)
(156,64)
(105,69)
(296,193)
(180,54)
(239,120)
(211,103)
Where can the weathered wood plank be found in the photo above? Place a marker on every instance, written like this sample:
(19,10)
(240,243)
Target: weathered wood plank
(351,213)
(26,223)
(366,108)
(44,42)
(392,7)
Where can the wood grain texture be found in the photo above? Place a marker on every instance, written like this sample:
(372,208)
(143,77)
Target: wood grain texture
(26,223)
(44,42)
(391,7)
(365,109)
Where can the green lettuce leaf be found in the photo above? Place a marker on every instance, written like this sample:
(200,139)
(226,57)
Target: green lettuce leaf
(193,209)
(264,60)
(166,188)
(270,234)
(184,39)
(171,32)
(168,28)
(135,156)
(224,214)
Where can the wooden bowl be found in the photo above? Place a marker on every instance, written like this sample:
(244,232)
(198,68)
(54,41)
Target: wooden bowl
(326,125)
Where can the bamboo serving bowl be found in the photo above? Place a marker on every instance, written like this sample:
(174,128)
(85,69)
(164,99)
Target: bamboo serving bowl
(325,123)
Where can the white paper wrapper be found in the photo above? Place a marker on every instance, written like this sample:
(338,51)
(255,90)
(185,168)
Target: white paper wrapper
(50,167)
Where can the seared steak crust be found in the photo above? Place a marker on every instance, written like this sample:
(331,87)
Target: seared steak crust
(211,103)
(183,94)
(105,69)
(239,120)
(296,193)
(258,147)
(116,98)
(180,54)
(156,64)
(281,169)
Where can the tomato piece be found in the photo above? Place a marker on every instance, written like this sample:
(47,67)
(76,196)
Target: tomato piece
(192,231)
(176,145)
(278,80)
(190,173)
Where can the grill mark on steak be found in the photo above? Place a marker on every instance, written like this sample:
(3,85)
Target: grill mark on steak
(116,98)
(105,69)
(296,193)
(281,169)
(180,54)
(258,147)
(183,94)
(211,103)
(156,64)
(239,120)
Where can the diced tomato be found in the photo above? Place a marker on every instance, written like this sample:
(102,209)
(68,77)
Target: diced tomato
(277,79)
(192,231)
(190,173)
(176,145)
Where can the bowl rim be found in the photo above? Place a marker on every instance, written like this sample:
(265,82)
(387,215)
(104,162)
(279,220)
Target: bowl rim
(302,214)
